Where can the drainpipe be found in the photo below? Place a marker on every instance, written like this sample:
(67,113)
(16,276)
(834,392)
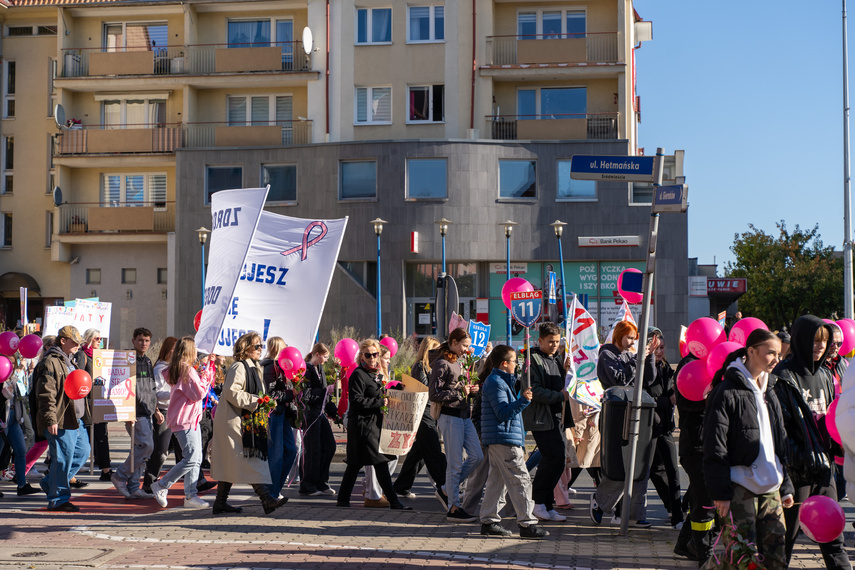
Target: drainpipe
(472,95)
(327,74)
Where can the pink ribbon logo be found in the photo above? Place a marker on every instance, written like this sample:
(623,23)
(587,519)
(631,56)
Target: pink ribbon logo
(307,243)
(129,389)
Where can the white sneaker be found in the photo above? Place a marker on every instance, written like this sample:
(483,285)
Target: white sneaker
(555,517)
(328,491)
(571,491)
(121,486)
(35,473)
(616,521)
(540,512)
(678,526)
(159,494)
(194,502)
(8,474)
(140,494)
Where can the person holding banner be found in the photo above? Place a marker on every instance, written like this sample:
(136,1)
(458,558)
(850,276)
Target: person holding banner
(61,419)
(318,438)
(364,417)
(239,453)
(182,418)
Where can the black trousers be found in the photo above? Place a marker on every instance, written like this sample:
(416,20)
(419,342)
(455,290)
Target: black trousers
(551,466)
(351,472)
(318,453)
(665,476)
(426,450)
(206,426)
(832,552)
(701,509)
(102,446)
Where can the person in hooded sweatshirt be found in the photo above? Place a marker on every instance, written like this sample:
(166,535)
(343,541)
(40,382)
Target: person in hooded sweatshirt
(745,449)
(805,389)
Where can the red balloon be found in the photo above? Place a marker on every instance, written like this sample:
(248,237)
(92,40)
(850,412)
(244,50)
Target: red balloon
(514,285)
(719,354)
(694,381)
(391,344)
(702,336)
(9,343)
(6,368)
(30,346)
(821,518)
(289,361)
(197,320)
(631,297)
(78,384)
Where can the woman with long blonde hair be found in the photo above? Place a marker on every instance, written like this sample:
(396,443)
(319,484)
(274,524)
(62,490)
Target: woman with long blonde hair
(282,445)
(318,438)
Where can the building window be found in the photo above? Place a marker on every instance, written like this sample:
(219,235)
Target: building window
(575,190)
(641,193)
(161,275)
(129,276)
(373,105)
(550,24)
(6,230)
(135,36)
(8,164)
(50,87)
(257,33)
(283,182)
(134,190)
(24,31)
(427,178)
(552,103)
(9,100)
(247,110)
(517,179)
(48,228)
(374,26)
(93,276)
(133,113)
(426,104)
(222,178)
(358,179)
(426,23)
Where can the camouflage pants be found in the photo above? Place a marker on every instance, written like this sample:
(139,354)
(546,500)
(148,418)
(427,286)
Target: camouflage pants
(760,520)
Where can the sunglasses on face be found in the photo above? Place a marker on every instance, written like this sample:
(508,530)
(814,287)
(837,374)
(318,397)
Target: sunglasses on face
(370,354)
(837,344)
(256,346)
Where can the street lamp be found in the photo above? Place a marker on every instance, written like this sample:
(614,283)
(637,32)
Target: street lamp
(508,225)
(203,239)
(558,228)
(378,229)
(443,229)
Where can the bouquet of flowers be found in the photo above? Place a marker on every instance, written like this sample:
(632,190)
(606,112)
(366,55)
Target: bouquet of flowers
(739,553)
(468,361)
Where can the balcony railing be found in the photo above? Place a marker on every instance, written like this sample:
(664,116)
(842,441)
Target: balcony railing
(125,138)
(279,133)
(553,48)
(554,127)
(119,218)
(194,59)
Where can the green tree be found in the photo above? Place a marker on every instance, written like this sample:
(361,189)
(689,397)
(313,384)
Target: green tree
(789,275)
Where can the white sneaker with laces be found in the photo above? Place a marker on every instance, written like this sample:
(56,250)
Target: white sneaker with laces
(121,486)
(540,512)
(159,494)
(194,502)
(555,517)
(140,494)
(616,521)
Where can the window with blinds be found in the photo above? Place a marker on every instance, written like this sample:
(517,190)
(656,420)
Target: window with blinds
(134,190)
(245,110)
(373,105)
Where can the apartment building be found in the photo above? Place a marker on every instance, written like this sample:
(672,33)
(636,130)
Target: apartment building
(406,111)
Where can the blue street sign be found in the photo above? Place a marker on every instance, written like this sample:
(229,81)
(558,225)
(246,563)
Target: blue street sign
(526,307)
(553,288)
(618,168)
(480,334)
(670,198)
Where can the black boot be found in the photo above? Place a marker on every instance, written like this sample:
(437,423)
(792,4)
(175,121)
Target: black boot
(269,503)
(220,504)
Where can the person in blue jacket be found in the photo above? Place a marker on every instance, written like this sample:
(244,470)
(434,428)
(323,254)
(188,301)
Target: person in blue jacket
(503,435)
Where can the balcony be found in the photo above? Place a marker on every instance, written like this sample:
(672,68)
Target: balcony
(85,222)
(580,49)
(591,126)
(197,59)
(120,139)
(281,133)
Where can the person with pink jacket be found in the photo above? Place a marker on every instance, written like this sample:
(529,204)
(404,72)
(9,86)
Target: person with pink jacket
(182,417)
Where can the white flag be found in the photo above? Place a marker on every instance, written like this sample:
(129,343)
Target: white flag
(284,282)
(235,215)
(623,315)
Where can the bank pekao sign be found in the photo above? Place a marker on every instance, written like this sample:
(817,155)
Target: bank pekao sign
(609,241)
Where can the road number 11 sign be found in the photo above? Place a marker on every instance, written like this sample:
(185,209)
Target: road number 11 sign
(526,307)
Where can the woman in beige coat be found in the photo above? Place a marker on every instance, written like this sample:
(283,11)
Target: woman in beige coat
(240,455)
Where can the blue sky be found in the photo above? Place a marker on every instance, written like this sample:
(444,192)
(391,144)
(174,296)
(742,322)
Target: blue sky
(752,91)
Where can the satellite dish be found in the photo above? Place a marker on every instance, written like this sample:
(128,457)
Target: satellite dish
(59,115)
(308,42)
(57,196)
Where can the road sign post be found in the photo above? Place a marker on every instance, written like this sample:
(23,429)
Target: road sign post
(526,308)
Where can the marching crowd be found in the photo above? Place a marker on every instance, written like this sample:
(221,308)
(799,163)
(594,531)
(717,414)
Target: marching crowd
(754,450)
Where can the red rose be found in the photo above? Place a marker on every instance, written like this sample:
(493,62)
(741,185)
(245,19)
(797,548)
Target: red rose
(752,566)
(266,399)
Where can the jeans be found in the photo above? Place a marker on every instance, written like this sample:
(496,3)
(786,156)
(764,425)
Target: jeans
(15,434)
(143,446)
(69,449)
(161,437)
(318,453)
(281,453)
(507,475)
(459,435)
(191,448)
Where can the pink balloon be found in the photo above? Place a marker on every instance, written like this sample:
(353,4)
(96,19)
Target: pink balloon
(744,327)
(514,285)
(630,297)
(828,322)
(831,422)
(821,518)
(694,381)
(848,328)
(719,354)
(6,368)
(30,346)
(9,343)
(391,344)
(702,336)
(289,361)
(346,350)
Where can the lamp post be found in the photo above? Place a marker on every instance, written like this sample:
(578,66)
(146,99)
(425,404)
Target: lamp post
(378,229)
(203,239)
(508,225)
(443,229)
(558,228)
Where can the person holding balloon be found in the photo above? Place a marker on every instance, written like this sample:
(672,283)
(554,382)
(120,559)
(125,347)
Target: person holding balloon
(282,446)
(318,438)
(62,411)
(805,389)
(745,450)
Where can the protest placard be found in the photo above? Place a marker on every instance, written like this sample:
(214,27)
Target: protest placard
(114,386)
(402,419)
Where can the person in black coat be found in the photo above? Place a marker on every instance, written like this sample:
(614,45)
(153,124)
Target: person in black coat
(318,438)
(745,451)
(364,418)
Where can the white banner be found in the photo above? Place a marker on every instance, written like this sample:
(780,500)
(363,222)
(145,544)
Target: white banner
(401,421)
(83,315)
(284,283)
(235,215)
(56,317)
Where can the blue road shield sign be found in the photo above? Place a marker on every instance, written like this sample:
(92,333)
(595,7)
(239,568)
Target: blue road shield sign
(526,307)
(480,334)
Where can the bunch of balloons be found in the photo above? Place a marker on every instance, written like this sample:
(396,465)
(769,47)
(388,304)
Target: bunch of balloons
(27,347)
